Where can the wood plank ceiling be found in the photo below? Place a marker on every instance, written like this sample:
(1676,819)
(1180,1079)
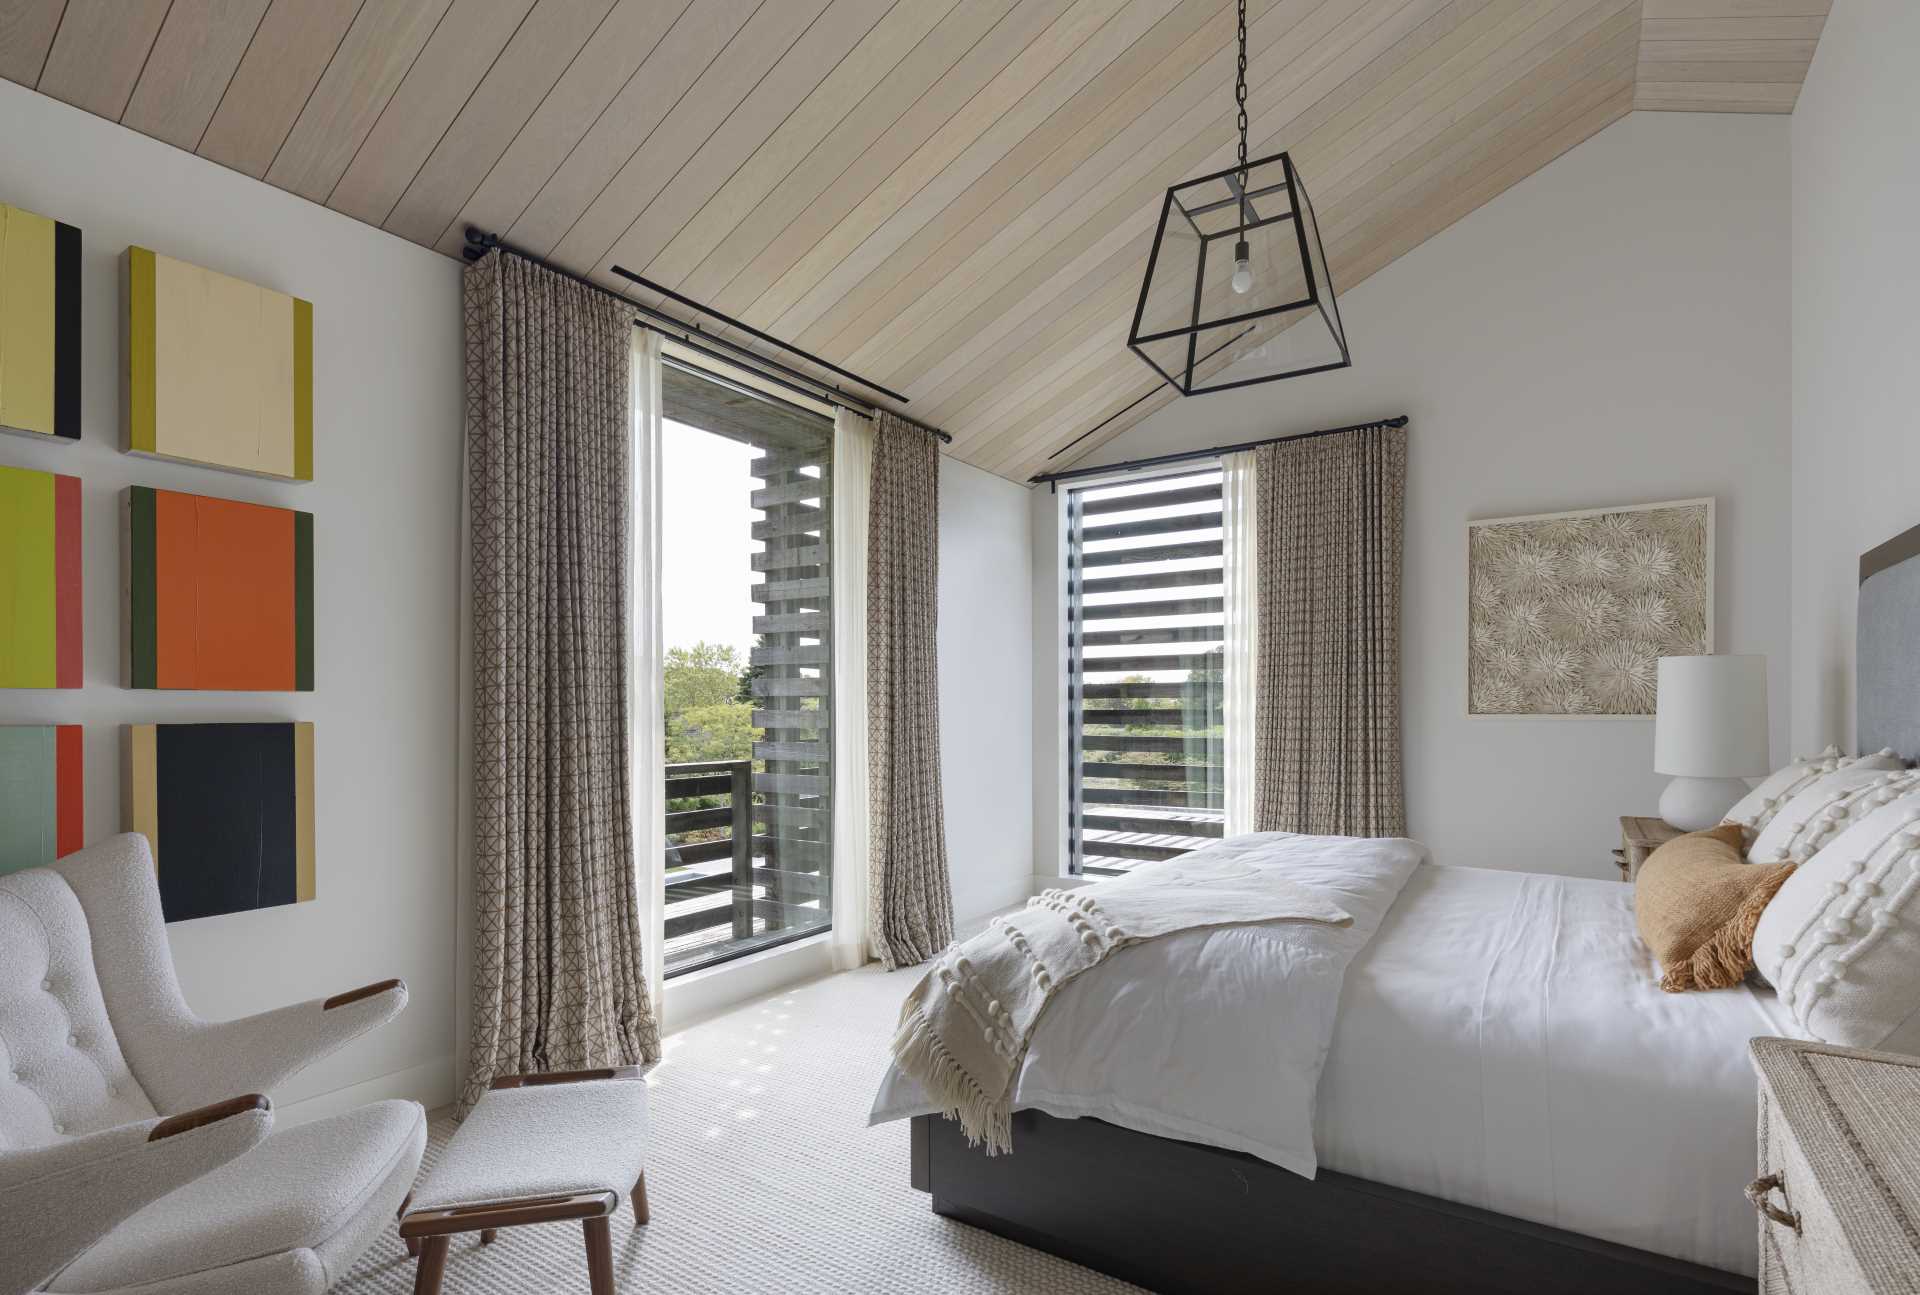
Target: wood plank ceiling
(954,197)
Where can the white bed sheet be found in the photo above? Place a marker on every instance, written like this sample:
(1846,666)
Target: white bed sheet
(1503,1043)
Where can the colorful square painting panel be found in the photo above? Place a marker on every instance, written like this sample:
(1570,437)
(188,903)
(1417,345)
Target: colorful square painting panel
(228,812)
(219,594)
(43,809)
(39,579)
(220,370)
(39,325)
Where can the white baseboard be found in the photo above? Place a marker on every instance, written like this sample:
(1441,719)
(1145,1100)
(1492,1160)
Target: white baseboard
(1059,881)
(430,1084)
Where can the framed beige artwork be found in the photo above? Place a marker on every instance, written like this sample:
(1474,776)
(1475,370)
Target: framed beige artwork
(220,371)
(1568,614)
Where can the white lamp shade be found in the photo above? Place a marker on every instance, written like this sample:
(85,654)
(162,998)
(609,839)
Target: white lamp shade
(1711,717)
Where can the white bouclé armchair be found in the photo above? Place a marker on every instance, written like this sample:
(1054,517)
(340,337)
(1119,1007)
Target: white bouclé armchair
(136,1149)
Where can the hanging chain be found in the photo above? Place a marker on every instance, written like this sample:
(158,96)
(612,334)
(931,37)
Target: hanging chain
(1240,92)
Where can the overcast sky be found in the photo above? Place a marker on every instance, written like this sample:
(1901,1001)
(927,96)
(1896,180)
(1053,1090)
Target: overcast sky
(707,529)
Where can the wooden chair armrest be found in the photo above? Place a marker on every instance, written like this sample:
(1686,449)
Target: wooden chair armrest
(199,1118)
(565,1077)
(356,995)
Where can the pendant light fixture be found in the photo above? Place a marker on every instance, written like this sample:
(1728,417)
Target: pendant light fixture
(1237,289)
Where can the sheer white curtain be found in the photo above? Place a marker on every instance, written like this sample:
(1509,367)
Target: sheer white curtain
(852,490)
(1241,554)
(648,700)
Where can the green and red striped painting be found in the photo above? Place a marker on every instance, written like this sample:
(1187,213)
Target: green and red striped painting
(219,594)
(42,801)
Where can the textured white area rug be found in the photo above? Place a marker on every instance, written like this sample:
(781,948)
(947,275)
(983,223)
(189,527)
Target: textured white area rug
(763,1176)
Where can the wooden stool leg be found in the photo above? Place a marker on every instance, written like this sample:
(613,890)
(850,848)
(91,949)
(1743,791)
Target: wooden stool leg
(487,1235)
(599,1255)
(641,1212)
(413,1243)
(433,1266)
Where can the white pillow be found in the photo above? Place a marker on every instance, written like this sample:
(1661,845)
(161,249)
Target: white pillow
(1841,940)
(1757,807)
(1823,810)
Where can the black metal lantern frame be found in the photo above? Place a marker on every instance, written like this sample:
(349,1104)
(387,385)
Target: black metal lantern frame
(1237,289)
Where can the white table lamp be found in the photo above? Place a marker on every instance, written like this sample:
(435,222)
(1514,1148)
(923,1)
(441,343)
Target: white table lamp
(1709,732)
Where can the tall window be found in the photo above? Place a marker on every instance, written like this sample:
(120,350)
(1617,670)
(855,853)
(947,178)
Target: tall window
(745,580)
(1145,623)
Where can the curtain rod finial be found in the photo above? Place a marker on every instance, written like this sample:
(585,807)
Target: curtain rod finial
(479,243)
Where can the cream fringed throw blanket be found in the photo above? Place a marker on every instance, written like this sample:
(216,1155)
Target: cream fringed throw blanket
(965,1027)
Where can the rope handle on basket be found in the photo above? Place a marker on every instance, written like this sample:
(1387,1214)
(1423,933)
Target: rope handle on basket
(1757,1192)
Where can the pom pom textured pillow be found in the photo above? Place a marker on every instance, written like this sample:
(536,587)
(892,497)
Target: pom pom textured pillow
(1697,902)
(1756,809)
(1841,941)
(1815,816)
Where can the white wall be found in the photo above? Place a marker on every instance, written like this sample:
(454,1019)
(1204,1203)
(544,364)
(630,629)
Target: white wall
(986,717)
(1856,338)
(384,498)
(1611,330)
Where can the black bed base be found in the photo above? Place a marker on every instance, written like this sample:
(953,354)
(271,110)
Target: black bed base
(1177,1217)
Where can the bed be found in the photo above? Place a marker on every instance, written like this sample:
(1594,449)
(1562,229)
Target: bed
(1501,1045)
(1508,1102)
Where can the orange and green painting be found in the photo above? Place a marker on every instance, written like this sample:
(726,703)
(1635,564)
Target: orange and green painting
(219,594)
(39,579)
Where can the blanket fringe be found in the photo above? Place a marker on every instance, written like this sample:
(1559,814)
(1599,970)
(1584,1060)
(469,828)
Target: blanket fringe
(1723,961)
(918,1051)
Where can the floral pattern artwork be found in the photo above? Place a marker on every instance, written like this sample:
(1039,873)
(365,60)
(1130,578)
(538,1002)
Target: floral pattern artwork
(1569,613)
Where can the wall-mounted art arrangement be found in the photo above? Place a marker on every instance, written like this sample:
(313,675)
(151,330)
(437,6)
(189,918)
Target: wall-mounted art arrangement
(220,371)
(228,811)
(219,593)
(39,325)
(1569,613)
(43,811)
(40,584)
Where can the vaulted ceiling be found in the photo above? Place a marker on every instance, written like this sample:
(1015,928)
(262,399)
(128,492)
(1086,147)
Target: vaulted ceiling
(953,197)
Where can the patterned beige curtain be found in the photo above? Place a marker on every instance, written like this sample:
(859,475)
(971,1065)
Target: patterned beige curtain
(910,904)
(557,970)
(1327,711)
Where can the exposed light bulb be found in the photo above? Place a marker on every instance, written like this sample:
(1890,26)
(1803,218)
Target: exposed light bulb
(1242,268)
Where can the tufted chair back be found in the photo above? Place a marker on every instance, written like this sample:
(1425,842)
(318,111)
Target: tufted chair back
(62,1073)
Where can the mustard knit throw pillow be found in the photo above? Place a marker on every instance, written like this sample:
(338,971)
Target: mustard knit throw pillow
(1697,903)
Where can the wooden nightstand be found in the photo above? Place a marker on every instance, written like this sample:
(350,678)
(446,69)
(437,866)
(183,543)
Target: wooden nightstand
(1640,837)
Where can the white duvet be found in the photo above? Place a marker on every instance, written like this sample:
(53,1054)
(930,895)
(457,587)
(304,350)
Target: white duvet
(1501,1041)
(1504,1043)
(1217,1035)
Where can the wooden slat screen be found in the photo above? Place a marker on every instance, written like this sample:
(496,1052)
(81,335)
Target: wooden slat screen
(1145,628)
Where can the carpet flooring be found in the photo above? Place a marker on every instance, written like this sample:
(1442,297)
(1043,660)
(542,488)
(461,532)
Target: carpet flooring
(763,1176)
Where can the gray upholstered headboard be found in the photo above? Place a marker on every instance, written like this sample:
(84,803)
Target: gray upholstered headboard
(1888,651)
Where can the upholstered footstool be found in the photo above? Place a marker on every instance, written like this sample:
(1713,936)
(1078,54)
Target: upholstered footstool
(536,1149)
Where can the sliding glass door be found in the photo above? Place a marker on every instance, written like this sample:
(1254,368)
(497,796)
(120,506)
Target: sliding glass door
(1146,637)
(745,576)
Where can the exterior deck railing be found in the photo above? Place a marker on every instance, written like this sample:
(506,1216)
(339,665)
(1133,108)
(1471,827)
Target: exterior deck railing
(715,853)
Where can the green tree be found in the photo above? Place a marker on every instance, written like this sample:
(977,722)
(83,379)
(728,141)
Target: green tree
(752,672)
(706,674)
(704,720)
(723,731)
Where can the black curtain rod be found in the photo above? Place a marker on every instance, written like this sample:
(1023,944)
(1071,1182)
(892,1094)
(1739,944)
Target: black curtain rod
(479,243)
(1133,465)
(751,331)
